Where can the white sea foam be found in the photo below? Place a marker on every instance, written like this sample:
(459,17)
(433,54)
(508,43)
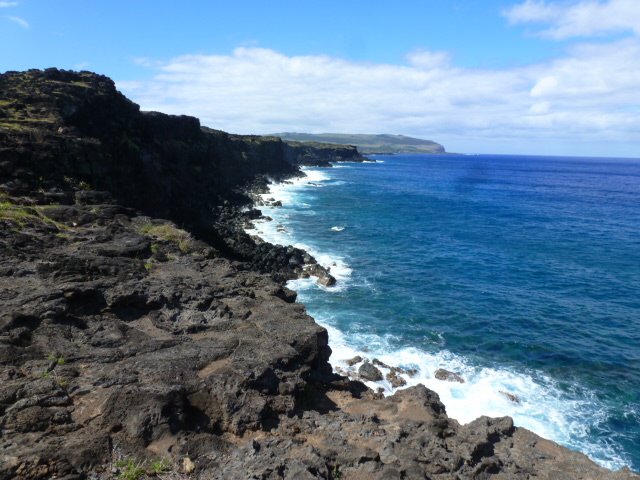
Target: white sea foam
(337,229)
(280,231)
(543,408)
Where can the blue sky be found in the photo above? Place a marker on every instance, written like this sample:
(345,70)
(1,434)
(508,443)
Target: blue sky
(490,76)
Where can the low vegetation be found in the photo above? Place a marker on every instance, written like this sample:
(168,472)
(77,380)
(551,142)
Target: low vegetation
(170,233)
(21,215)
(131,470)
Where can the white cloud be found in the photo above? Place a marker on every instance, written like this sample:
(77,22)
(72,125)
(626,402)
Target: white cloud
(586,18)
(587,98)
(18,20)
(429,60)
(8,4)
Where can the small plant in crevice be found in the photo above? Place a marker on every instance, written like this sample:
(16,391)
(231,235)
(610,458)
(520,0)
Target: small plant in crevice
(78,183)
(129,470)
(23,214)
(160,465)
(169,232)
(336,474)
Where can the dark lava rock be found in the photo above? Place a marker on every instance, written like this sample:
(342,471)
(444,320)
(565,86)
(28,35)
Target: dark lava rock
(378,363)
(510,396)
(369,372)
(327,280)
(394,378)
(447,376)
(124,337)
(354,361)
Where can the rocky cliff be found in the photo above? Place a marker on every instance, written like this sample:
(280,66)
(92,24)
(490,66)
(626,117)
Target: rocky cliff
(142,334)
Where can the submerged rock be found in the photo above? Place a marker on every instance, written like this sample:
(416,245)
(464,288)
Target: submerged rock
(510,396)
(327,280)
(354,361)
(447,376)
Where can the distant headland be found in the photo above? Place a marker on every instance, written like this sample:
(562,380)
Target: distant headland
(369,144)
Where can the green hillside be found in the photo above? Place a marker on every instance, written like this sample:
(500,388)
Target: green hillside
(369,144)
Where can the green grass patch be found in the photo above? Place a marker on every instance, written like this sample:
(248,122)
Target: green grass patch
(129,470)
(160,465)
(22,215)
(169,232)
(132,470)
(13,126)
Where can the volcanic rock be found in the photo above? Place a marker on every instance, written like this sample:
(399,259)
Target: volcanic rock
(369,372)
(140,324)
(447,376)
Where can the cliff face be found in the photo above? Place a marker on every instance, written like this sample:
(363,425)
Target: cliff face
(130,347)
(61,128)
(109,144)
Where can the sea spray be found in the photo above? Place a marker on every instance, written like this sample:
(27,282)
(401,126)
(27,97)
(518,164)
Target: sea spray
(371,313)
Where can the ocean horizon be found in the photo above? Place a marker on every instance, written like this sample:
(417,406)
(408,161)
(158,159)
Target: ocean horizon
(519,273)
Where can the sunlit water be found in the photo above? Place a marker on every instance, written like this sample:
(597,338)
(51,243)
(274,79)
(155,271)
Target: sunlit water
(521,273)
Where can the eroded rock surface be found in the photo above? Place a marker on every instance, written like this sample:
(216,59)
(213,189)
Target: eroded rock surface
(135,347)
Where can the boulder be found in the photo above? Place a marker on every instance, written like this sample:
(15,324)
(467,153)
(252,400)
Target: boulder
(355,360)
(395,379)
(369,372)
(327,280)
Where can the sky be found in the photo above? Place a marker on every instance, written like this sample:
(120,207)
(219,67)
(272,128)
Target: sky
(540,77)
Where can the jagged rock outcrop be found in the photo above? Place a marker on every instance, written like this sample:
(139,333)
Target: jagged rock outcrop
(60,127)
(320,154)
(133,347)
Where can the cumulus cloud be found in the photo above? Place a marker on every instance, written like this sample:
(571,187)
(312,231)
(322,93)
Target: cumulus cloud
(586,18)
(588,96)
(18,20)
(429,60)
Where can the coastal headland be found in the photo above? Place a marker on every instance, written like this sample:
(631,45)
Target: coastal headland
(144,334)
(381,144)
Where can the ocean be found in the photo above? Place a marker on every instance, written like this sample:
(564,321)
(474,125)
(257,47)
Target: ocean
(521,273)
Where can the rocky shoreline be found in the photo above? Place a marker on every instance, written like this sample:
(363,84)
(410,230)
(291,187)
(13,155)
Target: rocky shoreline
(143,334)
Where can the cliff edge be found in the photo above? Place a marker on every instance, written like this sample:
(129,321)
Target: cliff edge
(144,335)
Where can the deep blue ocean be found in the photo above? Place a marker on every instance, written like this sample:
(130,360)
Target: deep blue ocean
(522,273)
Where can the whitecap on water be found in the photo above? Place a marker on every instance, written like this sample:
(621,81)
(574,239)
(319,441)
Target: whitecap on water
(533,401)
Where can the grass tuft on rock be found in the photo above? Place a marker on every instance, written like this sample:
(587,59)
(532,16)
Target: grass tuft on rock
(22,215)
(170,233)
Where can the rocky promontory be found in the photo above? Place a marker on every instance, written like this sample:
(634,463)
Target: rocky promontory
(143,334)
(369,144)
